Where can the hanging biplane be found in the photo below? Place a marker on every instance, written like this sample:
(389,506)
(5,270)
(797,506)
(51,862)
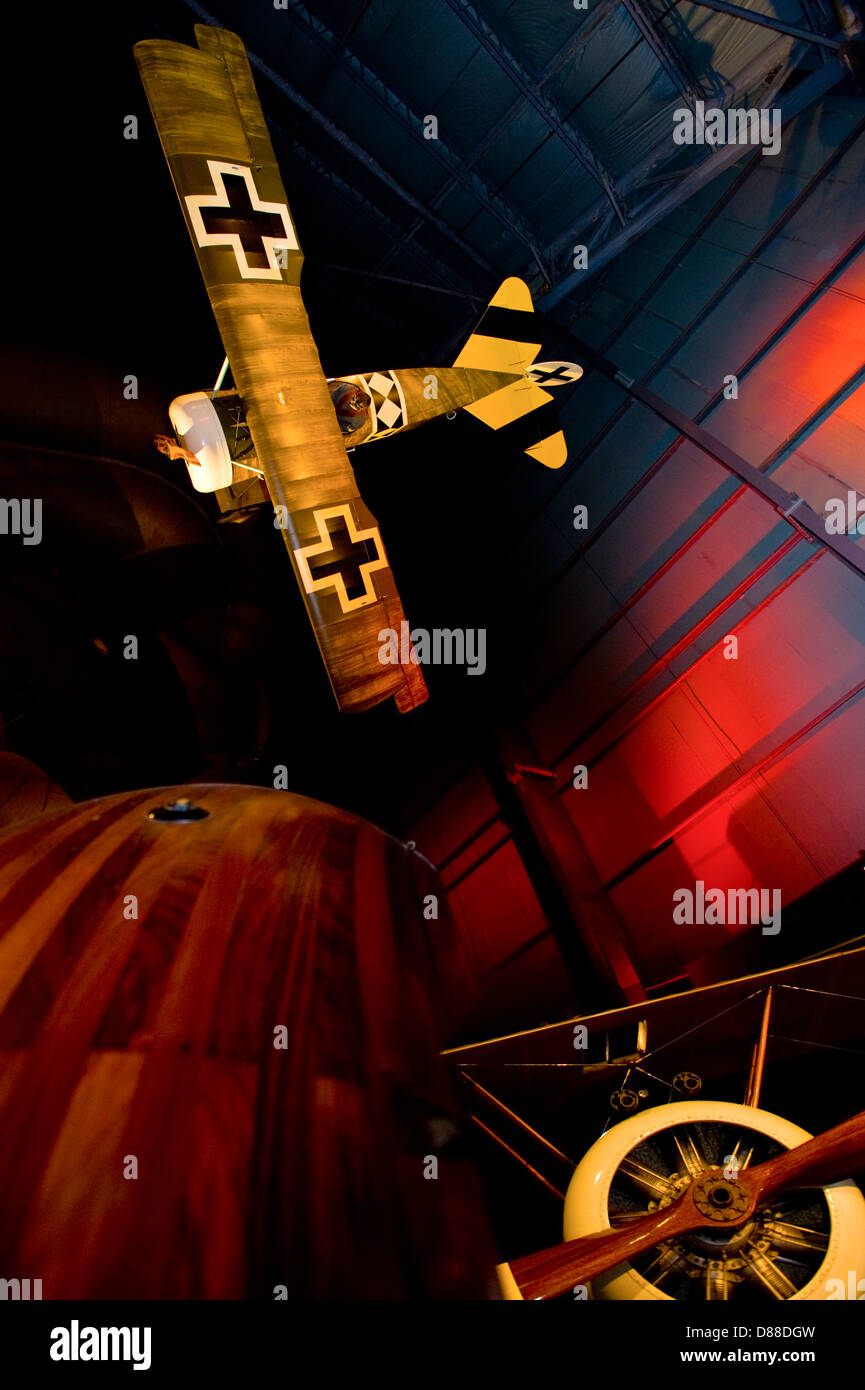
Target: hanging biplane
(286,424)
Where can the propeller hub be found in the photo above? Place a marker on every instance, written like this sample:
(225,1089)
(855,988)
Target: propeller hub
(721,1200)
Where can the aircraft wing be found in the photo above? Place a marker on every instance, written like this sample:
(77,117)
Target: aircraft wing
(218,149)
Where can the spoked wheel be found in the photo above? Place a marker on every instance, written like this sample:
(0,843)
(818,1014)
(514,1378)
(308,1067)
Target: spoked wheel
(789,1249)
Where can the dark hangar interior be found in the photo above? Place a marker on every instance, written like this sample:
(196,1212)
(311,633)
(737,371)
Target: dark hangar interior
(693,648)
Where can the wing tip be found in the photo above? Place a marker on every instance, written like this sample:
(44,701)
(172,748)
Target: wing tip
(213,36)
(413,692)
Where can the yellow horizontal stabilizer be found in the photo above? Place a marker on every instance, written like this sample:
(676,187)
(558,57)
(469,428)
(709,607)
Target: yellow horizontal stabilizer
(509,404)
(497,354)
(552,452)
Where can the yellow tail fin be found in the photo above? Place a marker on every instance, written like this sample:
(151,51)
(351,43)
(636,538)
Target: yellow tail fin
(507,340)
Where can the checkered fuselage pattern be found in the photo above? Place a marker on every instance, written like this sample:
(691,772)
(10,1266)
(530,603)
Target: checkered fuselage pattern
(404,399)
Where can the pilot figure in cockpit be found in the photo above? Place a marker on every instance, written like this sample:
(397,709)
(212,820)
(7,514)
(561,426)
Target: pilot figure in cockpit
(351,405)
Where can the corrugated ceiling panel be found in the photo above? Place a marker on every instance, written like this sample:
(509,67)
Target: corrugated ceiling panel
(717,47)
(812,361)
(608,45)
(537,32)
(835,450)
(631,110)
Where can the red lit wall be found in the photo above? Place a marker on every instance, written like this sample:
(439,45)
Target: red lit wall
(746,756)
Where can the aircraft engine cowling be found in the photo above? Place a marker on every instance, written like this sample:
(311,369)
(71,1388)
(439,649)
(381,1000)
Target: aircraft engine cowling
(801,1246)
(199,431)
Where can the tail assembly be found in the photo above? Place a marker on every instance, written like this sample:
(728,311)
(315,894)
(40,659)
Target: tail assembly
(507,339)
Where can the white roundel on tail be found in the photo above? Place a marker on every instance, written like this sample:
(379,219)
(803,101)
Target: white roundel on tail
(549,374)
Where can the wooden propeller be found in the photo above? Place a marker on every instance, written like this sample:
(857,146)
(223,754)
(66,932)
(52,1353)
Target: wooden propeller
(710,1200)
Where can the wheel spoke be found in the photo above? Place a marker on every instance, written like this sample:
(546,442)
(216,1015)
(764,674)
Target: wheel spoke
(624,1218)
(741,1155)
(763,1271)
(666,1262)
(647,1179)
(693,1160)
(717,1281)
(792,1239)
(792,1203)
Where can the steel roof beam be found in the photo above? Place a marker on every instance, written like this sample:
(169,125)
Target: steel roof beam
(600,12)
(636,306)
(667,55)
(358,152)
(395,105)
(356,20)
(510,65)
(342,138)
(771,232)
(778,455)
(810,89)
(753,73)
(766,21)
(380,219)
(825,284)
(471,296)
(788,505)
(814,28)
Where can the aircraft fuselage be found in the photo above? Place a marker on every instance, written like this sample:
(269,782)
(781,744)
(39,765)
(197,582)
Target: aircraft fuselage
(404,399)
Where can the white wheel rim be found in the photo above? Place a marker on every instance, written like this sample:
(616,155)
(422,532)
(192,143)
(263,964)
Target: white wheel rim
(586,1200)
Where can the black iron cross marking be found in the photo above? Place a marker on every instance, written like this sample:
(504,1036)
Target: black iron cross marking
(561,374)
(345,557)
(241,219)
(235,215)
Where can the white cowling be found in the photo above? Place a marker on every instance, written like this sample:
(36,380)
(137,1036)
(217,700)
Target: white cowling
(198,429)
(588,1192)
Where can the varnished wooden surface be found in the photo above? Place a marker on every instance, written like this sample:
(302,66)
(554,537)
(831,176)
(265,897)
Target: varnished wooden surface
(829,1157)
(152,1038)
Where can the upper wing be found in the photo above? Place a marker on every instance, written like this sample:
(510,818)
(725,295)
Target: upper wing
(216,142)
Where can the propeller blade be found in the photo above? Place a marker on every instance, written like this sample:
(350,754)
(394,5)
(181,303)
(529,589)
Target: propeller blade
(828,1158)
(551,1272)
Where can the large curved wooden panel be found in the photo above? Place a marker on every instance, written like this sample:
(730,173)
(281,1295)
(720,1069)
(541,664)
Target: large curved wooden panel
(26,792)
(148,1042)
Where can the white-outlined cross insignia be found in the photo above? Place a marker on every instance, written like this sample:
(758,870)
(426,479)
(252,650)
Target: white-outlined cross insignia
(245,216)
(335,579)
(549,374)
